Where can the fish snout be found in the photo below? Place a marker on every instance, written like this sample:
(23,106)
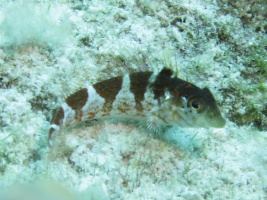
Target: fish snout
(218,122)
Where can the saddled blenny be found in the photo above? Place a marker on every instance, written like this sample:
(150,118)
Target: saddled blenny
(157,99)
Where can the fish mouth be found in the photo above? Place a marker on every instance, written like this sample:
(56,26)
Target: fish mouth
(218,122)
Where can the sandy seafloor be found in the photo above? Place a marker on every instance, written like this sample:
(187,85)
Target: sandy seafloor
(51,49)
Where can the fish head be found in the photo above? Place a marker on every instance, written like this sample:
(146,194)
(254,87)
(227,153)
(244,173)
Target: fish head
(195,107)
(184,104)
(203,110)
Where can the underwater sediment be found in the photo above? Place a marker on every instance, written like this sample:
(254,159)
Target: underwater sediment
(50,50)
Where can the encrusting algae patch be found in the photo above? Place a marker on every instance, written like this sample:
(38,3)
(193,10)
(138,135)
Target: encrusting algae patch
(50,50)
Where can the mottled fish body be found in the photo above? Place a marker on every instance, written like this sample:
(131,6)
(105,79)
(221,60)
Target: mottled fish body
(159,99)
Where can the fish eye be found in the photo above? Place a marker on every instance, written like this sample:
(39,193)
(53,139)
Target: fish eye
(194,103)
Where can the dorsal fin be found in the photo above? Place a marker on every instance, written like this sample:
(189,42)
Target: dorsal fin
(166,72)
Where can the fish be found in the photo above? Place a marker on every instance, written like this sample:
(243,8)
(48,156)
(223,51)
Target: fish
(159,100)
